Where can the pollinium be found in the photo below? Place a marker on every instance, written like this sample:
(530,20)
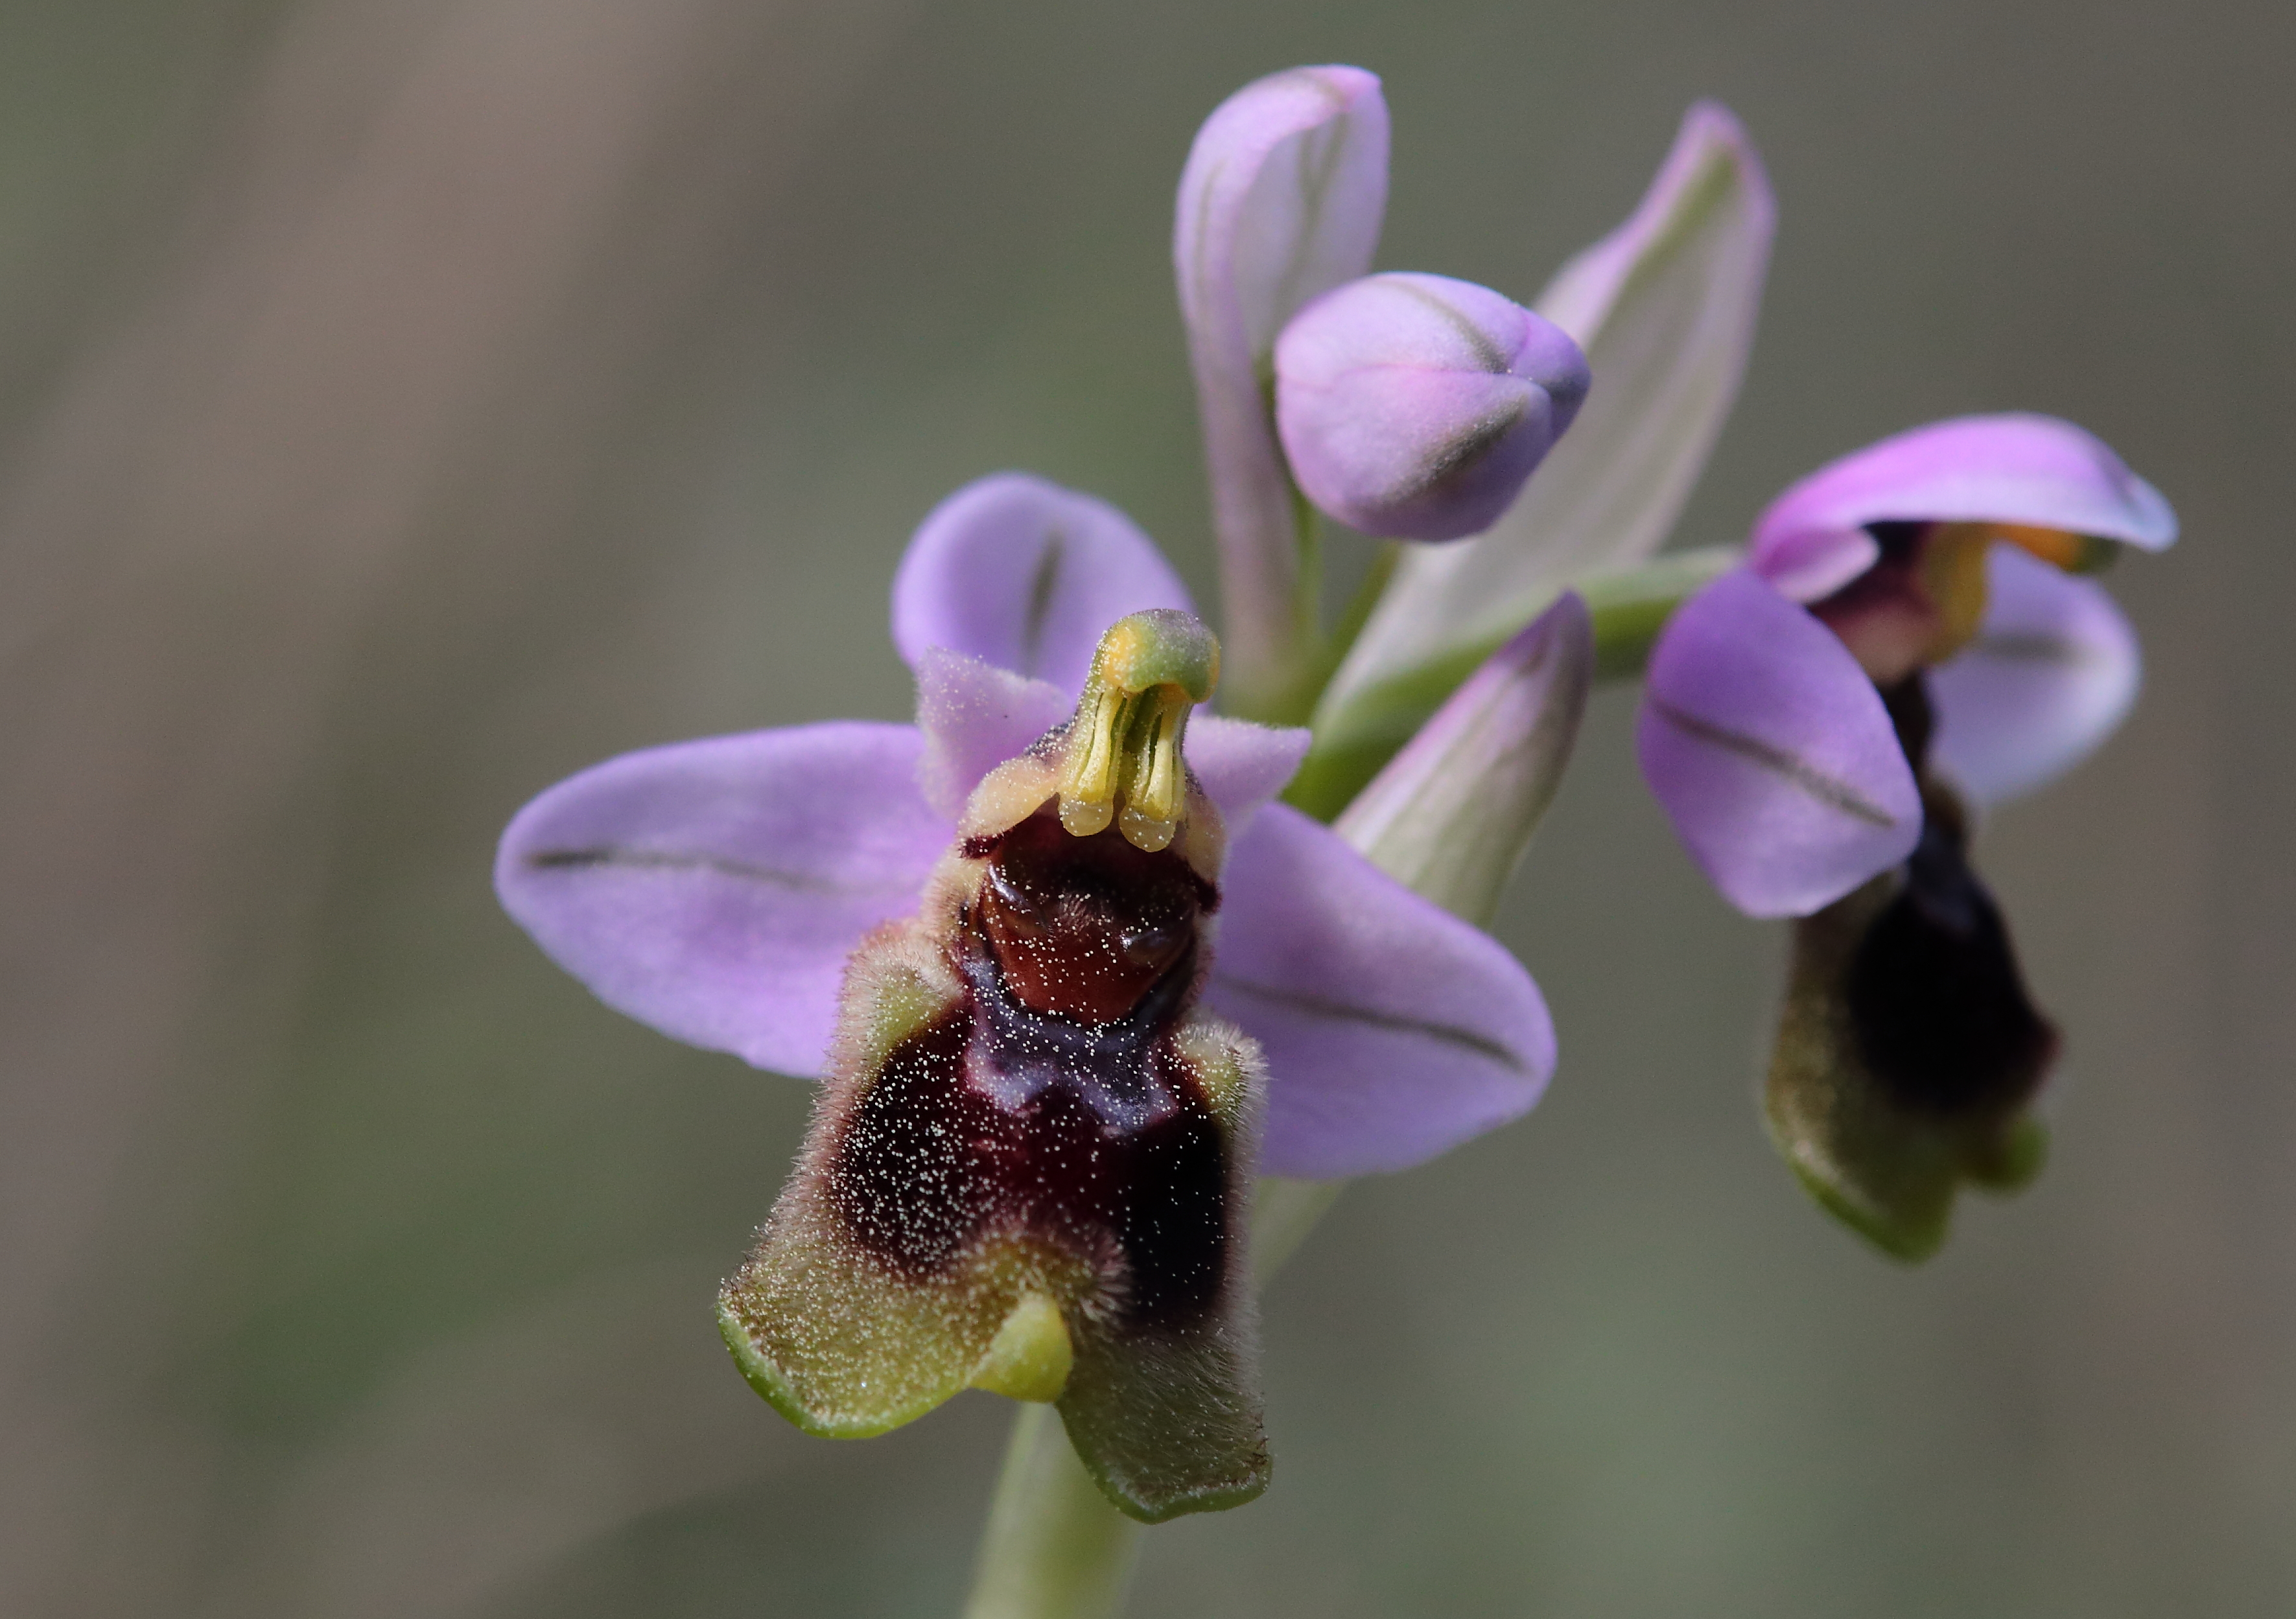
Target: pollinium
(1029,1169)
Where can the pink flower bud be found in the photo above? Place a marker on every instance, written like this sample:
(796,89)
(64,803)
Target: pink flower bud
(1414,406)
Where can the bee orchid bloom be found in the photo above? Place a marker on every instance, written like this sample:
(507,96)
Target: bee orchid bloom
(1905,638)
(1055,845)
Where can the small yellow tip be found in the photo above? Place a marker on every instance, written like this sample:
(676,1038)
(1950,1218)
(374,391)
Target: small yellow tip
(1953,572)
(1147,833)
(1083,817)
(1030,1355)
(2070,551)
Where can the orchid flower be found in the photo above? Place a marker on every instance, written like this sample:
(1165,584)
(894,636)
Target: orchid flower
(1904,640)
(1060,915)
(1066,887)
(1663,311)
(717,889)
(1072,976)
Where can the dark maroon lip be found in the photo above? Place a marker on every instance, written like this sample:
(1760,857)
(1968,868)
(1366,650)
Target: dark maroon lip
(928,1164)
(1084,929)
(1052,1100)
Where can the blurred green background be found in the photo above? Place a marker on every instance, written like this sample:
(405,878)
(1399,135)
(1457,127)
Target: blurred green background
(408,402)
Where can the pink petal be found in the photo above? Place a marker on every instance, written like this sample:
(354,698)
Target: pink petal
(975,715)
(1414,406)
(1393,1030)
(713,889)
(1025,574)
(1770,751)
(2035,470)
(2052,671)
(1242,766)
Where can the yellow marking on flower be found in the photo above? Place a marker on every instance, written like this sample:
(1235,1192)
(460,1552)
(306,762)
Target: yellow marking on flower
(1124,754)
(1029,1357)
(1090,782)
(1953,570)
(1225,1063)
(2071,552)
(891,996)
(1009,795)
(1953,574)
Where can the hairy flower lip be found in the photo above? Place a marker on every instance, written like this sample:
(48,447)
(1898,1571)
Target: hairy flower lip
(992,1196)
(1029,1168)
(1060,920)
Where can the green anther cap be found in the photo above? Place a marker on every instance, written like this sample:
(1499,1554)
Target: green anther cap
(1162,647)
(1124,761)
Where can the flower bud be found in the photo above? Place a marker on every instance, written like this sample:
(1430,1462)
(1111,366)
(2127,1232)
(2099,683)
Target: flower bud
(1414,406)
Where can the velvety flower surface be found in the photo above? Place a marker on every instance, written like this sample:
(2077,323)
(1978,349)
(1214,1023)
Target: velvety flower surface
(716,888)
(1029,1168)
(1773,752)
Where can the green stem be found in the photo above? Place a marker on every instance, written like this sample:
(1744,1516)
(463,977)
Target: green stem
(1630,608)
(1276,677)
(1054,1548)
(1355,738)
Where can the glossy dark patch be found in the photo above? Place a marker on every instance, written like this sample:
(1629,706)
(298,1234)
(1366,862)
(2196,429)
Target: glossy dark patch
(1894,579)
(1083,927)
(1900,541)
(1935,995)
(1054,1099)
(928,1161)
(1912,718)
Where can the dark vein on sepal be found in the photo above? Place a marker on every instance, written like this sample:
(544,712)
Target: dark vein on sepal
(1828,790)
(1447,1033)
(672,860)
(1041,586)
(2033,647)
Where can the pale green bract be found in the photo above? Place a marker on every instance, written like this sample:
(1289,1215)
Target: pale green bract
(1665,310)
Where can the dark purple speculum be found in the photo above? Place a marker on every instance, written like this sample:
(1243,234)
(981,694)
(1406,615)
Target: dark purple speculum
(1935,996)
(1053,1098)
